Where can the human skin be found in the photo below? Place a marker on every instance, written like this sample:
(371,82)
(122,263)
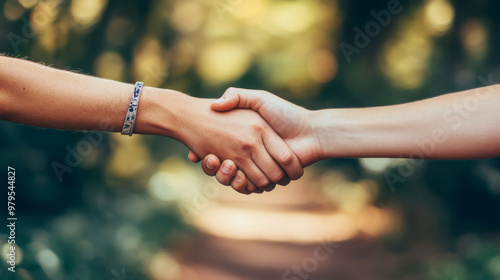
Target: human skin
(461,125)
(41,96)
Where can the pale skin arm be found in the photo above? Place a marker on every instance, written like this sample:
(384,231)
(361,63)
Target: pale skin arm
(41,96)
(463,125)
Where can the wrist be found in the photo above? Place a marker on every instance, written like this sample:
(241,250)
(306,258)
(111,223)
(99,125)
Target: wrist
(355,133)
(335,133)
(319,121)
(159,112)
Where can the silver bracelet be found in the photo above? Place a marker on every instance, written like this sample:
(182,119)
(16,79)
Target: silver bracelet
(128,126)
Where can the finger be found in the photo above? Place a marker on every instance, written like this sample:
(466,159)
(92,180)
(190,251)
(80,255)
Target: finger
(283,155)
(284,182)
(259,191)
(269,188)
(210,165)
(268,166)
(226,172)
(256,176)
(229,100)
(239,183)
(239,98)
(193,158)
(251,188)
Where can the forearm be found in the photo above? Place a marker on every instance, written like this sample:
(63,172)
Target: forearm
(41,96)
(462,125)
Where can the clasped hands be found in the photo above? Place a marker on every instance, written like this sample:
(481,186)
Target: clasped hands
(271,140)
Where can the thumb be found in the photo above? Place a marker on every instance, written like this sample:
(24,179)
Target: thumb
(229,100)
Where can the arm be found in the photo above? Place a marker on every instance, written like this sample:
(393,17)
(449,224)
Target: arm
(462,125)
(41,96)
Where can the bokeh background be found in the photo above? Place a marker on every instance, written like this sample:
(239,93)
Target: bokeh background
(134,208)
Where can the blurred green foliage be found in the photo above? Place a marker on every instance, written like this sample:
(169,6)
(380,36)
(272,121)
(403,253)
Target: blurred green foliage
(96,220)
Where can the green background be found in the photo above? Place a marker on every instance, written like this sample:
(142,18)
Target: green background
(103,216)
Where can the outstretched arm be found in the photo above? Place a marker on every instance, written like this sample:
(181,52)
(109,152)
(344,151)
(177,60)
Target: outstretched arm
(461,125)
(41,96)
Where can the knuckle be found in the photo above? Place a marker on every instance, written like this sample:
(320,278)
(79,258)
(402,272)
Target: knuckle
(287,158)
(248,143)
(256,124)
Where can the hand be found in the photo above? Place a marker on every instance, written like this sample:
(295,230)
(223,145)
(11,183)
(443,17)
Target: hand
(292,123)
(245,138)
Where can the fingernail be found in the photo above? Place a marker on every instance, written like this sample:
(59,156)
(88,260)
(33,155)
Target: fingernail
(219,100)
(237,178)
(226,168)
(210,164)
(250,188)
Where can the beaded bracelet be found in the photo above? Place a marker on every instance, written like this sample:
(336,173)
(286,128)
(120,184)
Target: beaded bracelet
(128,126)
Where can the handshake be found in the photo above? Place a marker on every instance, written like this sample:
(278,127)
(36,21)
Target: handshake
(251,139)
(262,140)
